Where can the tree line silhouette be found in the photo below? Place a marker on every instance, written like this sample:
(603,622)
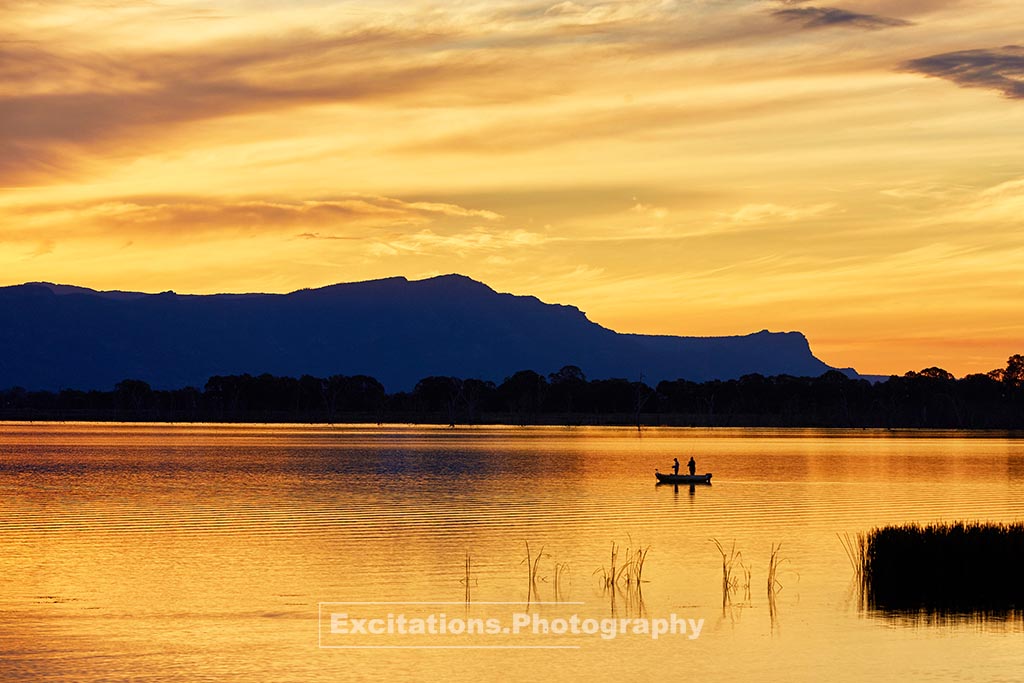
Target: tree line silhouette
(931,398)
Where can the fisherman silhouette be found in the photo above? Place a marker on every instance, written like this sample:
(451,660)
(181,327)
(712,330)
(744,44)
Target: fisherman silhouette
(692,465)
(675,466)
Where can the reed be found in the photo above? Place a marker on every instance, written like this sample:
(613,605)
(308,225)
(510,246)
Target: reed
(633,570)
(532,563)
(561,575)
(727,561)
(855,547)
(744,582)
(467,579)
(630,573)
(773,568)
(942,567)
(730,560)
(610,576)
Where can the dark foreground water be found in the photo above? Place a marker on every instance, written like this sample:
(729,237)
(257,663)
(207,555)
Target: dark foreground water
(216,552)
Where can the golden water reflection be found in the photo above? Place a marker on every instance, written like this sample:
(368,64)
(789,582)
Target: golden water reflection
(204,551)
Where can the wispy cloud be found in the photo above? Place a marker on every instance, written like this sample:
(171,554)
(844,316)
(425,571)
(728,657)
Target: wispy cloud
(764,213)
(154,216)
(998,208)
(56,97)
(825,17)
(153,89)
(460,244)
(1000,69)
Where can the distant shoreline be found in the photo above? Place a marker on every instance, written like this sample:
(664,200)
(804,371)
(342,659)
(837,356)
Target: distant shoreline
(930,399)
(437,421)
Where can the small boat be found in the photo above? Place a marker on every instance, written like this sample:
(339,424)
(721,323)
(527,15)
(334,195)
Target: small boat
(683,478)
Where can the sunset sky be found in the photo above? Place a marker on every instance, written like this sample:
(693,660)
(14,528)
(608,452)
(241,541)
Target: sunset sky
(692,167)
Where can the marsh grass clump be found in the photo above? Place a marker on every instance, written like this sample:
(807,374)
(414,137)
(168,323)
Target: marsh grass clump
(634,567)
(630,573)
(729,560)
(943,567)
(622,579)
(736,574)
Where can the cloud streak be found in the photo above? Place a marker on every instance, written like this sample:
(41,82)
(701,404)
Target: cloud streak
(827,17)
(97,97)
(155,216)
(56,98)
(460,244)
(1000,69)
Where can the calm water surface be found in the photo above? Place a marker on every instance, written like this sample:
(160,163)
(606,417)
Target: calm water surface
(191,553)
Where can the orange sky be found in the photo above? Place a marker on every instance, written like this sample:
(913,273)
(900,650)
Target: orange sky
(852,171)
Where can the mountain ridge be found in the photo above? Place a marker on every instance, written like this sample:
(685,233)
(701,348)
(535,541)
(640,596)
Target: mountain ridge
(398,330)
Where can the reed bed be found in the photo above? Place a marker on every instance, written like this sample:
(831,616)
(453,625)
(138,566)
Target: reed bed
(955,567)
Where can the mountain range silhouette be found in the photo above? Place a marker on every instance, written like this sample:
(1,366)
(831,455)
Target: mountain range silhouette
(394,329)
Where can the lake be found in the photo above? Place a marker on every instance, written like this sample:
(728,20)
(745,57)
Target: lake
(221,552)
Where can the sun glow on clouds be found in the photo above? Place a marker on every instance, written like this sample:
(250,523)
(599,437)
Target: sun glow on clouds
(678,167)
